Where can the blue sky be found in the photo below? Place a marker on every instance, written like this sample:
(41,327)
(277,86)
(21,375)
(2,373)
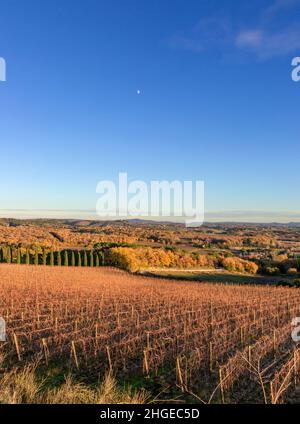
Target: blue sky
(217,101)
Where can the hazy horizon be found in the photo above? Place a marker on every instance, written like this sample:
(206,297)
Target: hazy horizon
(259,217)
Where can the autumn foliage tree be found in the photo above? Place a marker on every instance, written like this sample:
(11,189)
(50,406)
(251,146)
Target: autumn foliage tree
(235,264)
(135,259)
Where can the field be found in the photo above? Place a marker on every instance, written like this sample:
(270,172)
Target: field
(215,276)
(169,340)
(268,250)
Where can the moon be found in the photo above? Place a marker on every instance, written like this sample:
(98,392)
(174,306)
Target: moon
(138,92)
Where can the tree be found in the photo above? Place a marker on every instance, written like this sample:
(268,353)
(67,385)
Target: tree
(85,259)
(58,259)
(101,258)
(27,260)
(97,261)
(3,254)
(36,258)
(236,264)
(8,255)
(51,259)
(66,259)
(44,257)
(91,258)
(73,258)
(18,257)
(79,258)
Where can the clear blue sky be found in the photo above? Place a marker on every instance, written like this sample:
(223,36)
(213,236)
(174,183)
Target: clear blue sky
(217,101)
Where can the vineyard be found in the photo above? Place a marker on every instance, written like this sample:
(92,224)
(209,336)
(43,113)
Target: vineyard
(183,340)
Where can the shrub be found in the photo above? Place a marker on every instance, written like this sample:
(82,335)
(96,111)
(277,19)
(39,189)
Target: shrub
(284,284)
(272,270)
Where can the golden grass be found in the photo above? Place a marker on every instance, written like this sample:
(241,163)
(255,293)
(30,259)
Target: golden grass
(21,386)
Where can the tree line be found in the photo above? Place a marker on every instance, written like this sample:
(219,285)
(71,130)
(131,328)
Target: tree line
(137,259)
(87,258)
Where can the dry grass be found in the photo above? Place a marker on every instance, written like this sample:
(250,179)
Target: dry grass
(21,386)
(107,393)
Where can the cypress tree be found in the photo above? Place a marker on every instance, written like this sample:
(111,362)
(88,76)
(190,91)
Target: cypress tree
(4,253)
(91,258)
(8,255)
(85,260)
(66,259)
(51,258)
(79,259)
(36,258)
(58,259)
(27,260)
(73,258)
(97,260)
(44,257)
(101,257)
(18,257)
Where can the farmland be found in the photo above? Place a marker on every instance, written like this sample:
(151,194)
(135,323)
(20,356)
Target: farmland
(174,340)
(268,250)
